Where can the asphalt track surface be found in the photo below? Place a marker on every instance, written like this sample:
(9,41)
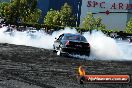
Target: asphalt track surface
(29,67)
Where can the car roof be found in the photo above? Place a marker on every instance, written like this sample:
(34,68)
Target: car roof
(77,34)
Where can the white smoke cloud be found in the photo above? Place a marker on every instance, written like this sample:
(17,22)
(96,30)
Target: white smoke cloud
(102,47)
(38,39)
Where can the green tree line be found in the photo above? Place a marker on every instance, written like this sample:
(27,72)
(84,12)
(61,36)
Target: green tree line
(26,11)
(64,17)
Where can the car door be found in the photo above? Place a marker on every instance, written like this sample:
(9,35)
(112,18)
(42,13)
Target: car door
(58,41)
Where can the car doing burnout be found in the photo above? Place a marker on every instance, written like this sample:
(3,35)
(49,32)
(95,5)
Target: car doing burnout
(68,43)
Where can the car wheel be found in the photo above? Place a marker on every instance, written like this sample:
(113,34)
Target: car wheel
(88,54)
(59,52)
(54,50)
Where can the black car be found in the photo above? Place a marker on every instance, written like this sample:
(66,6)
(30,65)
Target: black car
(68,43)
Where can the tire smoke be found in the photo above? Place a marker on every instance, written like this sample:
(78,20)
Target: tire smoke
(102,47)
(107,48)
(36,39)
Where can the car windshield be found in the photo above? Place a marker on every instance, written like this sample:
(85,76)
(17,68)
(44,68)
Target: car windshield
(75,37)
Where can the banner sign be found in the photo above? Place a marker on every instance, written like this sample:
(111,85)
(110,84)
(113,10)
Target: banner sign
(113,5)
(114,13)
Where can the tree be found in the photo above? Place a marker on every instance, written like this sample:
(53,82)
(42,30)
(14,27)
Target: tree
(52,18)
(2,5)
(32,17)
(11,13)
(67,18)
(90,23)
(129,26)
(99,25)
(22,10)
(63,17)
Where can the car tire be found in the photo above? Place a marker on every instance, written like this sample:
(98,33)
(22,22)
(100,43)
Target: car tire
(59,52)
(88,54)
(54,50)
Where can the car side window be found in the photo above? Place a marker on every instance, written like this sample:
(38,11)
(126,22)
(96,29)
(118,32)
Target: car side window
(60,37)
